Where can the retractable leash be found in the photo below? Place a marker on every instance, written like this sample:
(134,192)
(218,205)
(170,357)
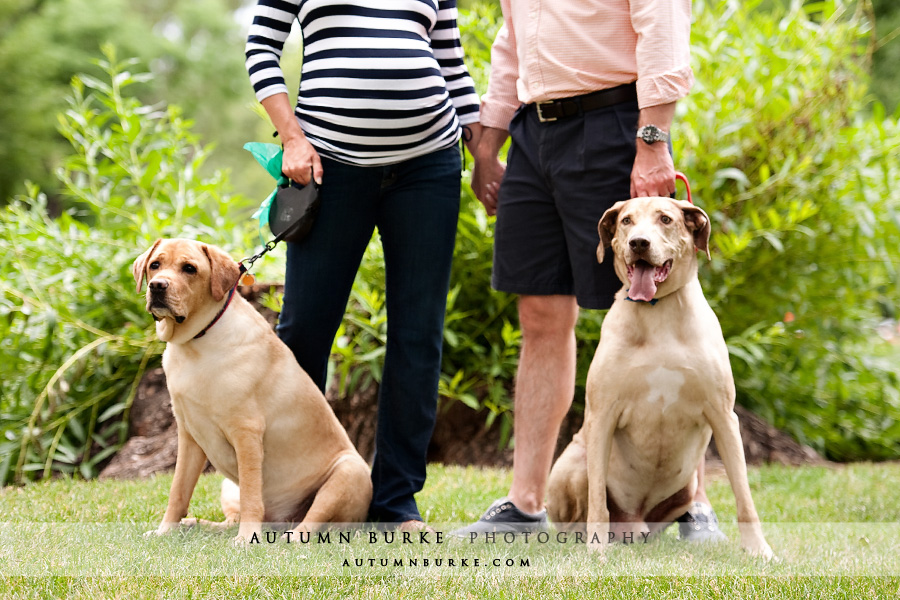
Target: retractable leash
(246,277)
(289,211)
(291,217)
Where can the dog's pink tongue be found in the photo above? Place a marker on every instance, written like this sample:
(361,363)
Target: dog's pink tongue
(643,287)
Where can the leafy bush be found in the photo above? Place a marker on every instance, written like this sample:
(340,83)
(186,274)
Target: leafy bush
(794,166)
(76,338)
(194,48)
(886,55)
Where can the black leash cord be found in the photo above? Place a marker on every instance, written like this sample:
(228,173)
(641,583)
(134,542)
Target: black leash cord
(270,245)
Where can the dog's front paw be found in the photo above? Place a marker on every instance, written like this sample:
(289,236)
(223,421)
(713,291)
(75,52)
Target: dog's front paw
(163,529)
(598,552)
(247,537)
(597,541)
(189,522)
(760,549)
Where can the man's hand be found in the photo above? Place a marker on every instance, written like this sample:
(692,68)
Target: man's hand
(654,172)
(488,170)
(486,177)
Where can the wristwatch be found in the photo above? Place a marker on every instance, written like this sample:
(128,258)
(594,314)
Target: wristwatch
(652,134)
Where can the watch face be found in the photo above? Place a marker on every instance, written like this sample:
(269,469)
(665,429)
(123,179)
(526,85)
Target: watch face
(650,134)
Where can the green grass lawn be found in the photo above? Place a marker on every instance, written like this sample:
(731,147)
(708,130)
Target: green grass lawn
(836,532)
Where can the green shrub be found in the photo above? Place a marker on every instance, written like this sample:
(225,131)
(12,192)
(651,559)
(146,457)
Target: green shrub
(795,167)
(76,337)
(194,48)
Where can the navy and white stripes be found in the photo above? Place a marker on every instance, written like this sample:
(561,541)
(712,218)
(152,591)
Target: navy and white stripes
(382,81)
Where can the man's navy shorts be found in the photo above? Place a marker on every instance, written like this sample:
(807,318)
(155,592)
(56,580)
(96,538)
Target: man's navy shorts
(561,176)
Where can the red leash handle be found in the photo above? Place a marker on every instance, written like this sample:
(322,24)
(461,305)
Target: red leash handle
(687,185)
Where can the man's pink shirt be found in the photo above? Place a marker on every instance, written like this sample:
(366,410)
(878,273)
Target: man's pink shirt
(549,49)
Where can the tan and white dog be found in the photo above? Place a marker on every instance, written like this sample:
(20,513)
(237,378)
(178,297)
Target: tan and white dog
(659,385)
(241,400)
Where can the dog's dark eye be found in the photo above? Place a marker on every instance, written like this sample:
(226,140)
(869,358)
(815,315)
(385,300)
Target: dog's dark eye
(626,221)
(154,265)
(666,219)
(189,269)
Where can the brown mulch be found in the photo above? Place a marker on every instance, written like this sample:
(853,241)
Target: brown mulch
(460,436)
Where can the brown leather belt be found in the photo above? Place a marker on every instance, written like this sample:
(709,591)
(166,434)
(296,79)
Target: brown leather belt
(552,110)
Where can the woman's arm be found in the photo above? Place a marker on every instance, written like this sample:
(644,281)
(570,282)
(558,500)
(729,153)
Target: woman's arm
(448,51)
(271,26)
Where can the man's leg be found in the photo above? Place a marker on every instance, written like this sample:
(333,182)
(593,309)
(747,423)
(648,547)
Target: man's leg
(545,385)
(531,260)
(699,523)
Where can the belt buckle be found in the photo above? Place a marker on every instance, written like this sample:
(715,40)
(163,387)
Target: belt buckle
(540,115)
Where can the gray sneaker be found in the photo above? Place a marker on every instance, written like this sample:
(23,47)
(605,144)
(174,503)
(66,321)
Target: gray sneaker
(700,524)
(503,516)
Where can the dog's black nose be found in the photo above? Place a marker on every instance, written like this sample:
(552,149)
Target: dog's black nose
(158,285)
(639,244)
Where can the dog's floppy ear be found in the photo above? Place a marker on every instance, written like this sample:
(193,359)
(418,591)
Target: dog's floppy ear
(607,229)
(139,266)
(697,222)
(224,272)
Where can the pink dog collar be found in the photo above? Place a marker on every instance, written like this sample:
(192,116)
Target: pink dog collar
(227,302)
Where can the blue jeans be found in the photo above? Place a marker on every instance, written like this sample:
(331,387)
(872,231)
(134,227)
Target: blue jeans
(415,206)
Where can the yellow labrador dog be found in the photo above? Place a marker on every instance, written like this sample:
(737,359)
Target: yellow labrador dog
(659,385)
(241,400)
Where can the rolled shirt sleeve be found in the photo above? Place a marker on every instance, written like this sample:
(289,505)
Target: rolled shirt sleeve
(551,49)
(663,52)
(500,102)
(265,42)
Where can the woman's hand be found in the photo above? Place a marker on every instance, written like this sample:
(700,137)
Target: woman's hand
(300,161)
(488,170)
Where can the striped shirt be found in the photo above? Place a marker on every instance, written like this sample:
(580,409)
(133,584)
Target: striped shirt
(382,81)
(549,49)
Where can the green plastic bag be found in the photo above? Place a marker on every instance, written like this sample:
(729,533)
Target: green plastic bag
(269,156)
